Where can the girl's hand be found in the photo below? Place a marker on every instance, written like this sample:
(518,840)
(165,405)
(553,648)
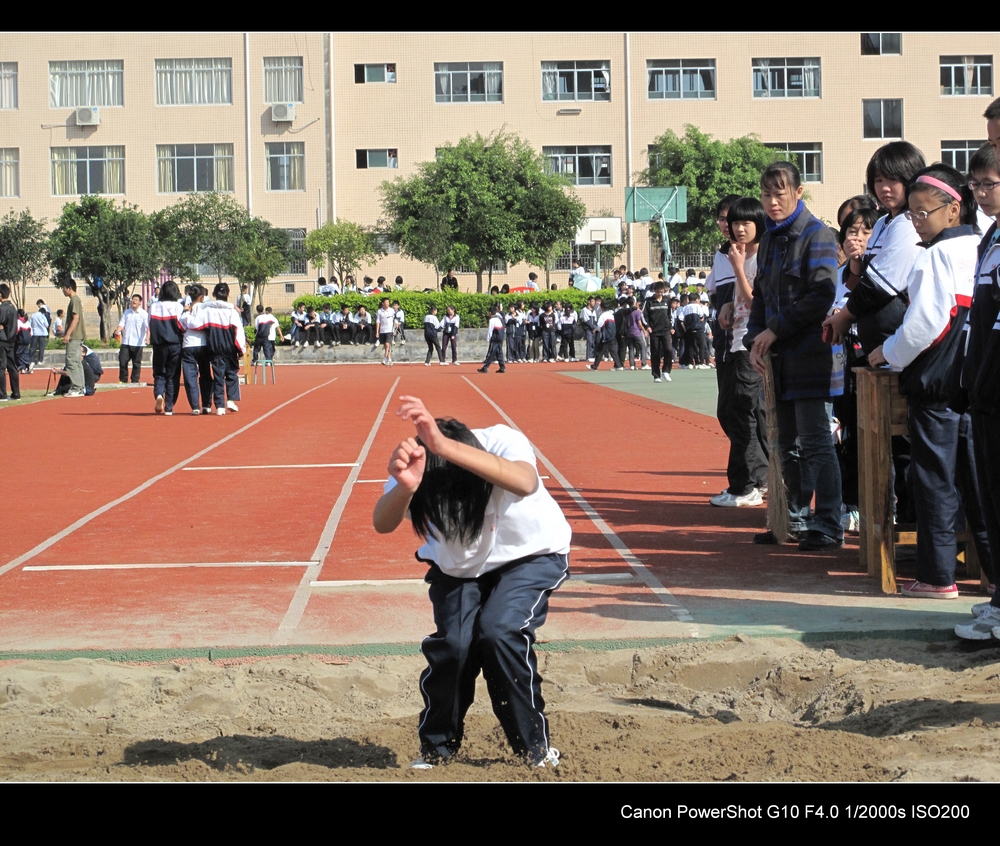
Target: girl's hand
(413,409)
(875,357)
(737,254)
(407,465)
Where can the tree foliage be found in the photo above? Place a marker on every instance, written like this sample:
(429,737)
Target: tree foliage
(110,246)
(23,256)
(709,169)
(259,253)
(202,228)
(481,201)
(345,245)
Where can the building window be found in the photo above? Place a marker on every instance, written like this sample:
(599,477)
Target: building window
(680,79)
(283,79)
(583,165)
(883,118)
(194,82)
(375,73)
(286,166)
(468,82)
(576,80)
(386,244)
(966,76)
(881,44)
(86,83)
(786,78)
(297,263)
(183,168)
(377,158)
(289,287)
(10,182)
(808,158)
(956,154)
(88,170)
(8,85)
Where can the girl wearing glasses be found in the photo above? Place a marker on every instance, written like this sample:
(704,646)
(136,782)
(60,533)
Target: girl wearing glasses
(942,211)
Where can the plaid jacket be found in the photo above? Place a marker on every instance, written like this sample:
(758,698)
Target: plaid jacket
(792,294)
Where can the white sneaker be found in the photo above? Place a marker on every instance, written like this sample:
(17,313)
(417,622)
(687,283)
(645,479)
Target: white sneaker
(978,609)
(443,363)
(645,367)
(427,364)
(982,627)
(160,405)
(666,377)
(551,759)
(221,412)
(657,379)
(851,522)
(727,500)
(421,764)
(231,406)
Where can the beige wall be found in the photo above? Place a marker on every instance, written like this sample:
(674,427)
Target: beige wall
(405,116)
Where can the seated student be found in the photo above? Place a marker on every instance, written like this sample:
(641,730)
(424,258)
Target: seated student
(92,373)
(346,327)
(327,321)
(399,318)
(311,328)
(299,318)
(363,320)
(265,327)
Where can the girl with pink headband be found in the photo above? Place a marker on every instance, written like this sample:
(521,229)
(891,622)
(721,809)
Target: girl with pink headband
(924,348)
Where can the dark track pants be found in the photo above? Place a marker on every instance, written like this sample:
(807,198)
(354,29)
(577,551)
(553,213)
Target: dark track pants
(741,414)
(488,623)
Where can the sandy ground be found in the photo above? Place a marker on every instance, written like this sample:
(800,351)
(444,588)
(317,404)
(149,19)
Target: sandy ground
(738,710)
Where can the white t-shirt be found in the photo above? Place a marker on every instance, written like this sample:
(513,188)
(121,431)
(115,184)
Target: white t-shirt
(514,527)
(386,321)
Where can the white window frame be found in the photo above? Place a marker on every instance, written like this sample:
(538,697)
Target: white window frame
(775,77)
(454,82)
(10,172)
(363,73)
(290,159)
(169,158)
(374,158)
(112,156)
(966,67)
(959,151)
(878,40)
(87,83)
(882,117)
(567,161)
(8,85)
(297,266)
(194,82)
(802,155)
(283,77)
(559,77)
(679,79)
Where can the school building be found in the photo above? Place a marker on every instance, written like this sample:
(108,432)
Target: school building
(302,128)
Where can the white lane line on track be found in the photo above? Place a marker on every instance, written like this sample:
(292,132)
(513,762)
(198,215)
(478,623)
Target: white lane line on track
(299,601)
(267,466)
(58,536)
(368,583)
(640,569)
(45,567)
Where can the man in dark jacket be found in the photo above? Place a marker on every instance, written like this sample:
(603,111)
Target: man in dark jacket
(792,294)
(8,332)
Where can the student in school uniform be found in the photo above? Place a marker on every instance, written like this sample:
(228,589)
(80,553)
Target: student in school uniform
(496,336)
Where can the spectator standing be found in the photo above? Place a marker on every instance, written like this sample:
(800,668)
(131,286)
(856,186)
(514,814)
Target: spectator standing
(133,333)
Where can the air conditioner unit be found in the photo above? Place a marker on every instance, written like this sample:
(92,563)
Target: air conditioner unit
(88,116)
(283,112)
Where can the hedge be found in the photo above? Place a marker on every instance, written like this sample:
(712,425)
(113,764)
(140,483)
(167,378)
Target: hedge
(473,309)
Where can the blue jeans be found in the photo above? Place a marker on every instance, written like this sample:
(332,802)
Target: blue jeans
(809,463)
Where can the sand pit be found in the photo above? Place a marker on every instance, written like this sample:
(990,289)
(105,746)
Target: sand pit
(737,710)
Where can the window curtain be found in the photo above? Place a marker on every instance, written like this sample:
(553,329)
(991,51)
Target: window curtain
(64,171)
(550,80)
(282,81)
(9,172)
(810,80)
(761,82)
(165,169)
(8,85)
(494,80)
(298,166)
(114,170)
(224,167)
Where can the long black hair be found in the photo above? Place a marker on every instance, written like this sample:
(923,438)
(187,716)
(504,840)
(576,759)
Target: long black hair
(450,501)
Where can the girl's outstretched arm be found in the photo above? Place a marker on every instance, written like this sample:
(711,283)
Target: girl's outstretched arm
(518,477)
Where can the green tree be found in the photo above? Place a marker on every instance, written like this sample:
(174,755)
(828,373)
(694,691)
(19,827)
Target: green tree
(484,200)
(202,228)
(260,252)
(345,245)
(22,253)
(112,247)
(709,169)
